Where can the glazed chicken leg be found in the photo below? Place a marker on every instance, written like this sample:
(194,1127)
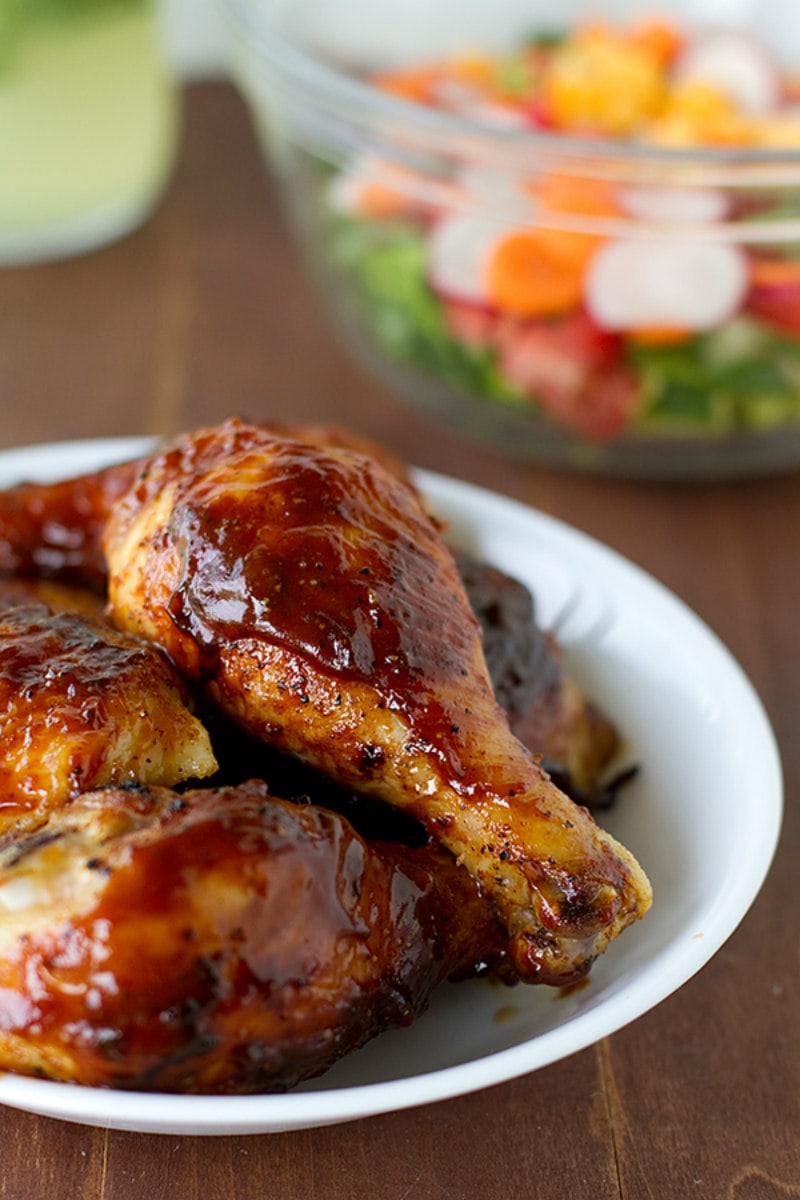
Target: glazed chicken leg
(84,705)
(218,941)
(305,589)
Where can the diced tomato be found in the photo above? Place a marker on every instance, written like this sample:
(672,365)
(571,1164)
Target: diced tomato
(775,293)
(605,406)
(472,324)
(781,311)
(575,344)
(415,83)
(573,368)
(539,112)
(535,359)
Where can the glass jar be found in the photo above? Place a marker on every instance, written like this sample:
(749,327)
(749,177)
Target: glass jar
(88,123)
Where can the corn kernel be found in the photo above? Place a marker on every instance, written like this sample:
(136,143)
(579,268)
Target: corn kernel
(697,113)
(777,132)
(600,82)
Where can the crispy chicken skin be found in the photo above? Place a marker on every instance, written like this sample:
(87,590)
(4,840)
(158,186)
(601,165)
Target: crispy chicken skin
(218,941)
(304,588)
(82,705)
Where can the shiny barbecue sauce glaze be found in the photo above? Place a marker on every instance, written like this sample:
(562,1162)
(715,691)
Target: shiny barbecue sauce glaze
(329,556)
(229,915)
(58,673)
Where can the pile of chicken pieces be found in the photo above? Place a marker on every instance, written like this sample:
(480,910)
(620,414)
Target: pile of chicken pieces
(258,797)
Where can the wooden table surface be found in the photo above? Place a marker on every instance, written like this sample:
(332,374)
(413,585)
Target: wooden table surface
(203,313)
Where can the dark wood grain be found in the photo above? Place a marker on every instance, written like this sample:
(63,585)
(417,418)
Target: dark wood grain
(203,313)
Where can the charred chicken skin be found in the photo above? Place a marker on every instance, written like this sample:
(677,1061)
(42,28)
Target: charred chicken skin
(545,707)
(217,941)
(301,586)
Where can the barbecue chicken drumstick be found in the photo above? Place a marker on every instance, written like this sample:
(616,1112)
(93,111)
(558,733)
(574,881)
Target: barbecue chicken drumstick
(304,588)
(218,941)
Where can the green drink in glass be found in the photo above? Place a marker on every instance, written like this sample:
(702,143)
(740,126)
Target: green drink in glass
(88,123)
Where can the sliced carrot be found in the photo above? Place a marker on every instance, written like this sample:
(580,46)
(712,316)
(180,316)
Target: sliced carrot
(379,190)
(576,194)
(477,70)
(535,273)
(378,201)
(659,335)
(414,83)
(539,272)
(572,250)
(774,272)
(659,38)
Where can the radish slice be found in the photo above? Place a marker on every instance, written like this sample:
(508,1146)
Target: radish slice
(497,116)
(689,205)
(632,285)
(496,190)
(459,248)
(345,192)
(737,64)
(372,186)
(493,184)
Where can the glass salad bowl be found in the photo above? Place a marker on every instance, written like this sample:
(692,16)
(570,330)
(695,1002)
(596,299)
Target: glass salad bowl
(570,230)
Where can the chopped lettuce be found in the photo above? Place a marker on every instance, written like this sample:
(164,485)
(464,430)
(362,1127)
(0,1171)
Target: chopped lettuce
(404,316)
(772,213)
(741,376)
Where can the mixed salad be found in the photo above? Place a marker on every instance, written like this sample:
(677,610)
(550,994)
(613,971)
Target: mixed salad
(529,290)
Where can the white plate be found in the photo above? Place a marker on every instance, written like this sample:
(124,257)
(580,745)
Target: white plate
(703,818)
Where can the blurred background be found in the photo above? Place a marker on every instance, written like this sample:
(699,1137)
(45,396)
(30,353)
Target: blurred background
(195,37)
(146,215)
(202,310)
